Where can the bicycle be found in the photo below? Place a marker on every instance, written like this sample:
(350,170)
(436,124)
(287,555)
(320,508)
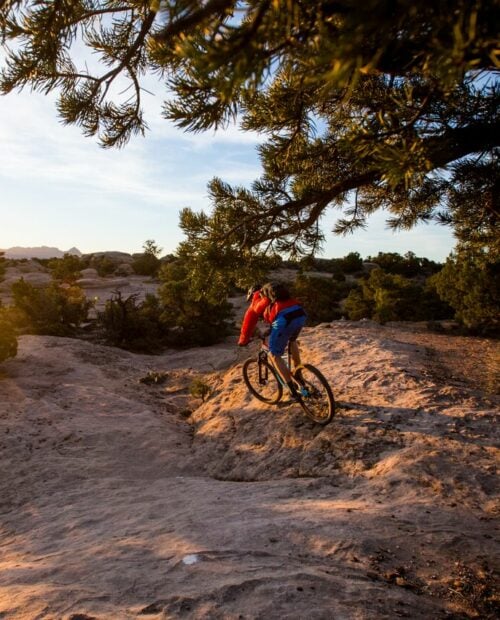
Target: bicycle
(315,395)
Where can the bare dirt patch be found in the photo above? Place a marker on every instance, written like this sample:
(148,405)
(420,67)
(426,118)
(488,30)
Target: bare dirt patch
(469,360)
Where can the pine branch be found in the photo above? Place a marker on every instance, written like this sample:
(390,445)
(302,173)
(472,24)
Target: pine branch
(183,24)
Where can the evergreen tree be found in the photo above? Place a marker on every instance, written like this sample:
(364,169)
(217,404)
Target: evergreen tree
(408,265)
(133,325)
(351,263)
(196,315)
(66,269)
(367,104)
(320,296)
(148,263)
(391,297)
(54,309)
(470,283)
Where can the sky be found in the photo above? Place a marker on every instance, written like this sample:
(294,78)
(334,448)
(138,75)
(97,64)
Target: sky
(61,189)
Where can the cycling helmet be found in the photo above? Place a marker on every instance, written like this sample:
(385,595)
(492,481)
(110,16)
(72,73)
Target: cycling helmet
(253,289)
(275,291)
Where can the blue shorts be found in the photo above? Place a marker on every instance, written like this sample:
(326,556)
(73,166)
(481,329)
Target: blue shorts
(285,328)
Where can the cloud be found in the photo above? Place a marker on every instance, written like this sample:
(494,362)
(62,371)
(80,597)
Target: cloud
(169,166)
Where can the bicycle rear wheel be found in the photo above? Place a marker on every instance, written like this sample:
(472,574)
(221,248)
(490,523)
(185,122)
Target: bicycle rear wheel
(262,381)
(317,399)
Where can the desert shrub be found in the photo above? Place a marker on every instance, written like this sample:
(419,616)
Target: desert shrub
(44,262)
(148,263)
(133,325)
(359,306)
(8,339)
(154,378)
(200,389)
(194,317)
(408,265)
(387,297)
(469,282)
(103,265)
(53,310)
(320,297)
(66,269)
(351,263)
(338,274)
(432,307)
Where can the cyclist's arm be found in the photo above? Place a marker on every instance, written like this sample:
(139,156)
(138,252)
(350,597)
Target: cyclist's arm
(250,320)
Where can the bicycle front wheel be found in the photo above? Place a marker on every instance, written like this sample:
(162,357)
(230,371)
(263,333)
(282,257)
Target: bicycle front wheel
(317,399)
(262,381)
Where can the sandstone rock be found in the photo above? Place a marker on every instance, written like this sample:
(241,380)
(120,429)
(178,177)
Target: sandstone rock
(109,283)
(125,269)
(118,257)
(89,273)
(37,280)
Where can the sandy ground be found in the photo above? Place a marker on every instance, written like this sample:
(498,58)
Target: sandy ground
(124,497)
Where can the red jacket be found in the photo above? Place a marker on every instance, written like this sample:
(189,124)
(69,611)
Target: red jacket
(261,306)
(256,309)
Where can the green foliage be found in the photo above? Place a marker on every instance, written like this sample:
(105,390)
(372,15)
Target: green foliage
(8,339)
(154,378)
(200,317)
(66,269)
(53,310)
(151,248)
(351,263)
(200,389)
(359,304)
(103,265)
(181,315)
(408,265)
(217,263)
(387,297)
(148,263)
(406,95)
(470,283)
(321,297)
(131,325)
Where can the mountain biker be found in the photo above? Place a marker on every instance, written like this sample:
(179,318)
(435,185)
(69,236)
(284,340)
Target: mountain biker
(286,316)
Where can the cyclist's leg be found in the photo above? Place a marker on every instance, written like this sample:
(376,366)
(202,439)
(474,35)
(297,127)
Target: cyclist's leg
(277,342)
(295,351)
(281,367)
(295,328)
(281,333)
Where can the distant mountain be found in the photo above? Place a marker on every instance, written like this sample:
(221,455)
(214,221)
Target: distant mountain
(43,251)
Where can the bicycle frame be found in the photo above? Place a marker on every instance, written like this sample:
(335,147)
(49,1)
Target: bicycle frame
(264,357)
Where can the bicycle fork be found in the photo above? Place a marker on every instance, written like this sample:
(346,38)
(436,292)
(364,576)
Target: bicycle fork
(263,371)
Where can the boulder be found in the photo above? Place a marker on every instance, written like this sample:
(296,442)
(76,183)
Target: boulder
(109,283)
(89,273)
(125,269)
(116,257)
(38,280)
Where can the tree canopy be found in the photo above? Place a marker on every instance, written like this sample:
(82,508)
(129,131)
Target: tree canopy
(365,105)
